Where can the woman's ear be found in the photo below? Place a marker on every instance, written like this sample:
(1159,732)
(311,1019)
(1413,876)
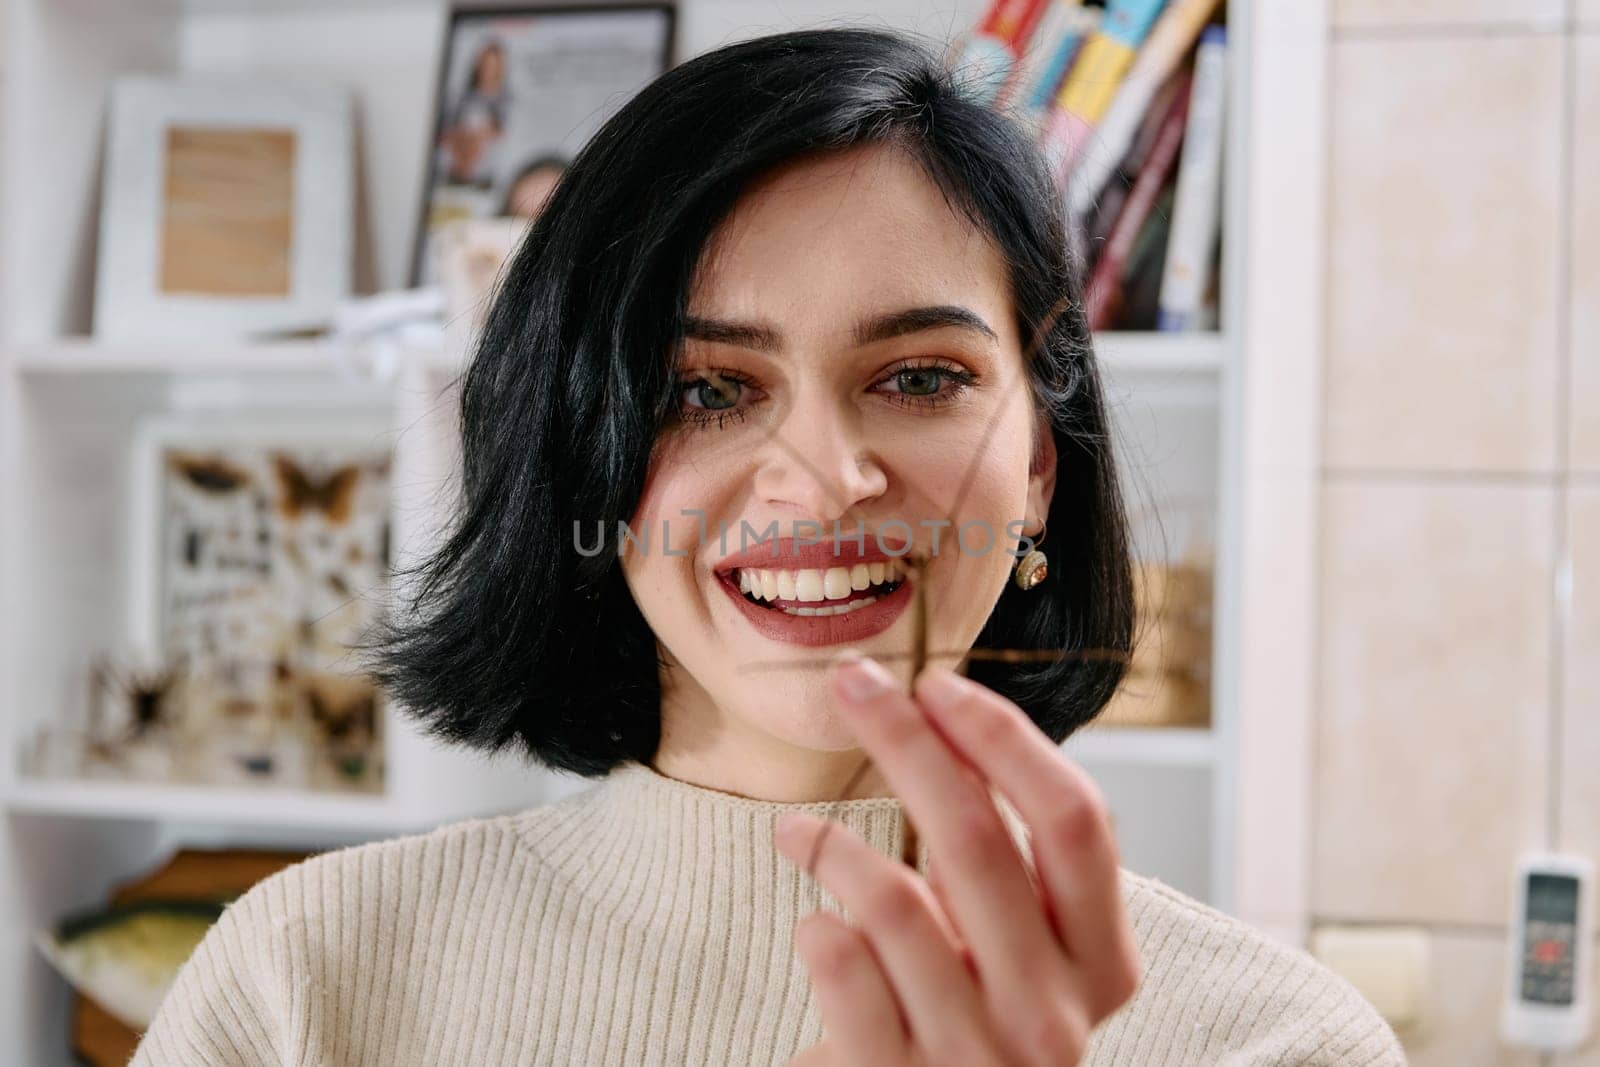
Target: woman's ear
(1042,469)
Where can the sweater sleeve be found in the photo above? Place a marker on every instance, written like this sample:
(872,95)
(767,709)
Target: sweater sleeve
(1216,991)
(223,1008)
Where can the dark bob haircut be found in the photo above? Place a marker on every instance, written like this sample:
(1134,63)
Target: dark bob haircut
(510,636)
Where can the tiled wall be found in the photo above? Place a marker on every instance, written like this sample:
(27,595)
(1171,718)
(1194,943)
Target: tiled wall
(1459,705)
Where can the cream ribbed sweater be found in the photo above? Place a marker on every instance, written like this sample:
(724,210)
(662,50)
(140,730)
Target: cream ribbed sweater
(648,920)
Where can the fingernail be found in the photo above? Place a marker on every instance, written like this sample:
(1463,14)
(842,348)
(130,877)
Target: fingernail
(845,655)
(941,688)
(863,679)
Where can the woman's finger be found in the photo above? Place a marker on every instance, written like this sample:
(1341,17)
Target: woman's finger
(858,1009)
(993,904)
(942,895)
(897,912)
(1073,845)
(823,1054)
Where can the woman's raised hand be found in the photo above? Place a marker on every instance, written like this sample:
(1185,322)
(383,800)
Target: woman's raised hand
(989,961)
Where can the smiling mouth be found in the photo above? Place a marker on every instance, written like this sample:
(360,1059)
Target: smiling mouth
(819,592)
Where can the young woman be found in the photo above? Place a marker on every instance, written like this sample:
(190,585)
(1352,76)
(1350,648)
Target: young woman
(797,282)
(477,120)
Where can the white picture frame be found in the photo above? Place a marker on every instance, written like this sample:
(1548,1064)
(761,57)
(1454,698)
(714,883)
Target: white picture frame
(253,591)
(131,303)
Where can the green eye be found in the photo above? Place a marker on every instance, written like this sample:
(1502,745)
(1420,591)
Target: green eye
(920,381)
(714,394)
(928,385)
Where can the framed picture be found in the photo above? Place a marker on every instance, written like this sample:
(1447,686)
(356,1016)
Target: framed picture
(520,91)
(228,209)
(259,546)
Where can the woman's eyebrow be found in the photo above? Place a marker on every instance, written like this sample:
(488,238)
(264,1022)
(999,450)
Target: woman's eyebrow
(763,338)
(914,320)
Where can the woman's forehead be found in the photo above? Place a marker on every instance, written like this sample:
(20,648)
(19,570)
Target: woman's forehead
(832,235)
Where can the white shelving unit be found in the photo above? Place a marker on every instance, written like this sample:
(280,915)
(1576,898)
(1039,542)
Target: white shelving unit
(1221,421)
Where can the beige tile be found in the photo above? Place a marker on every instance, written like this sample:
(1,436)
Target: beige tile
(1580,732)
(1443,266)
(1433,709)
(1460,1026)
(1585,391)
(1353,14)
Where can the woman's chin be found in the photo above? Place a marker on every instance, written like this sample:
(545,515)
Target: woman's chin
(815,725)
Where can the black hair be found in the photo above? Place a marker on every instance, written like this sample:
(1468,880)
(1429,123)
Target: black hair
(512,637)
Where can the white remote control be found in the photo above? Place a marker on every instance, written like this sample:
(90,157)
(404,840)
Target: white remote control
(1552,935)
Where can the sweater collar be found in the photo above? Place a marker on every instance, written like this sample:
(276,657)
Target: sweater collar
(637,834)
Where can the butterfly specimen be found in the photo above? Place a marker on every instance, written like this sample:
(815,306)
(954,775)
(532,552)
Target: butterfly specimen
(148,696)
(210,474)
(333,495)
(340,716)
(344,710)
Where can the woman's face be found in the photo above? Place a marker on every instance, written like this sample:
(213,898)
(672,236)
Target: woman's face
(817,385)
(491,70)
(531,191)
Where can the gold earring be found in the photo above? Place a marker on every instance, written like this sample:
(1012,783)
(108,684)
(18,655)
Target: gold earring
(1033,567)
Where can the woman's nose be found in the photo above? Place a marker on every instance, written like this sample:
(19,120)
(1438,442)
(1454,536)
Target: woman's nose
(819,462)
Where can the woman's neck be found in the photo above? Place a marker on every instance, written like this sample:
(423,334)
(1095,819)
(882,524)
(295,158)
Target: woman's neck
(717,751)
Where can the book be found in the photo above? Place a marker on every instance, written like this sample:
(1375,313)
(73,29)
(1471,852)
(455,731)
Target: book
(1196,209)
(1169,42)
(1140,287)
(988,56)
(1044,61)
(1115,195)
(1092,82)
(1105,280)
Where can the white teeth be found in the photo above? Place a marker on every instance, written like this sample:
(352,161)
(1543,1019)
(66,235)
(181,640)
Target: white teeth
(836,583)
(808,585)
(812,586)
(834,609)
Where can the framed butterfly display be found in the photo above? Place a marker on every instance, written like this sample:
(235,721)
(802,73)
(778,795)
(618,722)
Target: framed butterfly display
(263,544)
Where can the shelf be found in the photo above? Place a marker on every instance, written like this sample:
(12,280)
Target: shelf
(1148,352)
(1149,746)
(87,356)
(246,806)
(83,355)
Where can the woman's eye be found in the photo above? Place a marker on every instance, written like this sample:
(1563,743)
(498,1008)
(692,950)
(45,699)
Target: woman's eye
(928,385)
(713,394)
(714,398)
(920,381)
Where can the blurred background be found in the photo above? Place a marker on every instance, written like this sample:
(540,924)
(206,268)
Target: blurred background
(1343,263)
